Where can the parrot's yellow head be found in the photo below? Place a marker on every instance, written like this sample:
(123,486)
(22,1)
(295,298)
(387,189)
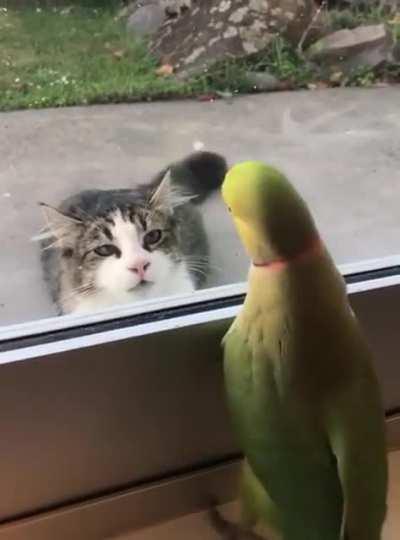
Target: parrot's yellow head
(272,219)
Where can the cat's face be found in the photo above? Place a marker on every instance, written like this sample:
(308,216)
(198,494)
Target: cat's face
(131,249)
(127,249)
(127,245)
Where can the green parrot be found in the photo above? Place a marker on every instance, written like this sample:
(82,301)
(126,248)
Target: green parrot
(301,389)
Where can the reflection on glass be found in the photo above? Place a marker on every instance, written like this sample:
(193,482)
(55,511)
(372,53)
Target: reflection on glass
(131,190)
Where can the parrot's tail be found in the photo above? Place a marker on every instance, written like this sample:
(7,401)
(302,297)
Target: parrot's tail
(228,530)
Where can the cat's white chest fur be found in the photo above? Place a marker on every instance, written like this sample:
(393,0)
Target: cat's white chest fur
(178,283)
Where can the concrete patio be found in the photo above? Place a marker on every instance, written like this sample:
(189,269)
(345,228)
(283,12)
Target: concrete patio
(340,147)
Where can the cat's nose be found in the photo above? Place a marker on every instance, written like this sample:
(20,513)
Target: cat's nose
(140,267)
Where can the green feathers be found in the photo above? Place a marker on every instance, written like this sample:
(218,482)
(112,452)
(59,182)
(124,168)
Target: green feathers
(302,393)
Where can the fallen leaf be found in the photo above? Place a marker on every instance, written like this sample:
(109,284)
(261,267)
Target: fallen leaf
(395,20)
(207,97)
(224,95)
(336,77)
(318,85)
(119,53)
(165,70)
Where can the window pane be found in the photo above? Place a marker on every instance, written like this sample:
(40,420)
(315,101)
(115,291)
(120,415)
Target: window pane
(265,81)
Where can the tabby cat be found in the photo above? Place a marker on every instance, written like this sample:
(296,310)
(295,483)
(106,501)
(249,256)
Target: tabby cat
(118,246)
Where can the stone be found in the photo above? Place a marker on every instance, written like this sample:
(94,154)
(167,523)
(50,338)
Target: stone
(348,50)
(263,81)
(215,30)
(126,11)
(146,19)
(174,8)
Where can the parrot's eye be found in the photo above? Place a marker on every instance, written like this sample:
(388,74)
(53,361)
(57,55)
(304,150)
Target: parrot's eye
(229,209)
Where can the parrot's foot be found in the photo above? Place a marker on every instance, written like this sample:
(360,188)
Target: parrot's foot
(228,530)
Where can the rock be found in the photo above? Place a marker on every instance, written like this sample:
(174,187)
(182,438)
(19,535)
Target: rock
(218,29)
(126,11)
(348,50)
(263,81)
(146,19)
(174,8)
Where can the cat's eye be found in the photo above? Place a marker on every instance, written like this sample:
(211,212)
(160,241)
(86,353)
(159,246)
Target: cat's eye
(106,250)
(152,237)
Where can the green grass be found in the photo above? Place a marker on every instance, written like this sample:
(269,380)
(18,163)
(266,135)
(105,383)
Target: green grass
(356,15)
(52,57)
(283,61)
(230,75)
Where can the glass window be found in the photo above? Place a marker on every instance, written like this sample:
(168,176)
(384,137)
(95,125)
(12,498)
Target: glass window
(118,121)
(119,261)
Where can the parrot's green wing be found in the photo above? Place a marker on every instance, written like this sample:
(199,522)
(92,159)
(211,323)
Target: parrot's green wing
(358,442)
(257,508)
(284,453)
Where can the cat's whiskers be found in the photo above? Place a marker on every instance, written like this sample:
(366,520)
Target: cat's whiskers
(56,243)
(196,259)
(198,271)
(46,233)
(58,233)
(195,262)
(84,290)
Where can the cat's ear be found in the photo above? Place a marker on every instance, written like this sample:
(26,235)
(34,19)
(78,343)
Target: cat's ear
(58,225)
(168,196)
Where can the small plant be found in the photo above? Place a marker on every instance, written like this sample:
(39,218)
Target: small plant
(358,14)
(227,77)
(363,77)
(283,61)
(280,60)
